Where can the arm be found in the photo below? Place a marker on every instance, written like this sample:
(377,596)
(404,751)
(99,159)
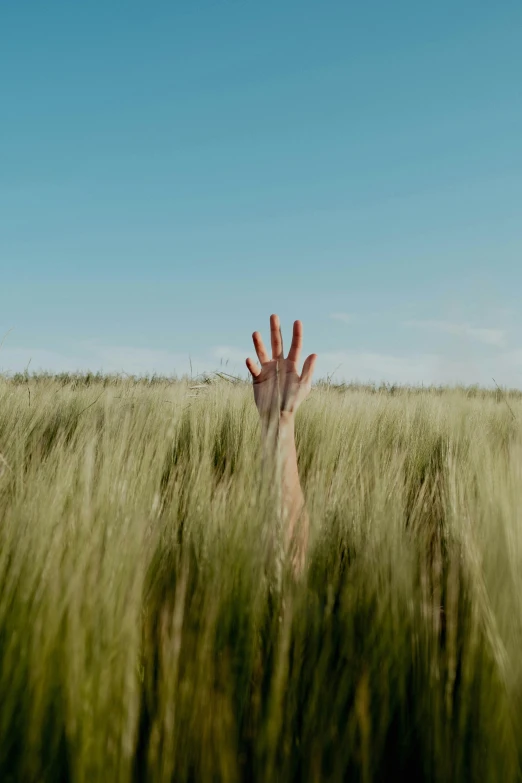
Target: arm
(278,392)
(295,515)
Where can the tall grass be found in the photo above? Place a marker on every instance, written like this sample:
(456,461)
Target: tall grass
(143,636)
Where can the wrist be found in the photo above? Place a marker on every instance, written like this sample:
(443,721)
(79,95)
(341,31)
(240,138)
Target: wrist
(278,423)
(286,419)
(286,431)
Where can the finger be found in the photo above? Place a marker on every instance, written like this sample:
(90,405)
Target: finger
(297,342)
(276,337)
(252,366)
(308,368)
(260,348)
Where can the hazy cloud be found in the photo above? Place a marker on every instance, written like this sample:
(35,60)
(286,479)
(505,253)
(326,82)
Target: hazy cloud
(486,336)
(231,354)
(422,368)
(346,318)
(363,366)
(104,358)
(17,359)
(367,366)
(137,361)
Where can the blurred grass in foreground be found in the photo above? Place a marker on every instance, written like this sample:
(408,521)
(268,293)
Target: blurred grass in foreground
(143,637)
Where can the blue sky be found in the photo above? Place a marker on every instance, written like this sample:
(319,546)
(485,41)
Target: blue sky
(173,172)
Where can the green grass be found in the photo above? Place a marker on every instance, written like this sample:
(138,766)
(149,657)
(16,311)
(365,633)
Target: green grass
(144,635)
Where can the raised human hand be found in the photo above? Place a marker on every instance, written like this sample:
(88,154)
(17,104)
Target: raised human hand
(278,387)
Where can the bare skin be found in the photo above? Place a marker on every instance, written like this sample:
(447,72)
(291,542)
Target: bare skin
(279,390)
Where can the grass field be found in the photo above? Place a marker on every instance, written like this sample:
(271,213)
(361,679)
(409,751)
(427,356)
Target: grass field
(145,634)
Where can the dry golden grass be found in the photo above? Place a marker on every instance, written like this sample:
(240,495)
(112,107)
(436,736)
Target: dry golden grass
(144,636)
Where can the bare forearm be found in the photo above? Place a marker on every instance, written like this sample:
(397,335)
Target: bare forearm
(279,443)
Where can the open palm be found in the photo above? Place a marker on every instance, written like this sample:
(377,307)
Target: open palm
(278,387)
